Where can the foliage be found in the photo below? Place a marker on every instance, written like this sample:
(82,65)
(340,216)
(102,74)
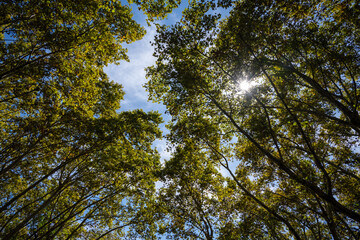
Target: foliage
(294,137)
(72,167)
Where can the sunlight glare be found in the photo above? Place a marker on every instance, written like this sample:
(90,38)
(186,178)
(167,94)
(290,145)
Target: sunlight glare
(241,87)
(244,85)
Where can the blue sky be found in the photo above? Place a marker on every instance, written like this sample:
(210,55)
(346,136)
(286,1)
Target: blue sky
(131,75)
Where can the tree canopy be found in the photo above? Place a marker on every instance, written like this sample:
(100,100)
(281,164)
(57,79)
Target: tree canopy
(289,145)
(72,166)
(277,159)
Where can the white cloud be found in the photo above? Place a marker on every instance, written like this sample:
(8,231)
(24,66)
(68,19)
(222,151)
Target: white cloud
(162,148)
(132,74)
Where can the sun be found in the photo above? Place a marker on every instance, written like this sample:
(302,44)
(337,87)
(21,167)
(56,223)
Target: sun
(241,87)
(244,85)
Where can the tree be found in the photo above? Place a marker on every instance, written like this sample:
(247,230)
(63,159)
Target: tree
(190,201)
(72,167)
(294,137)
